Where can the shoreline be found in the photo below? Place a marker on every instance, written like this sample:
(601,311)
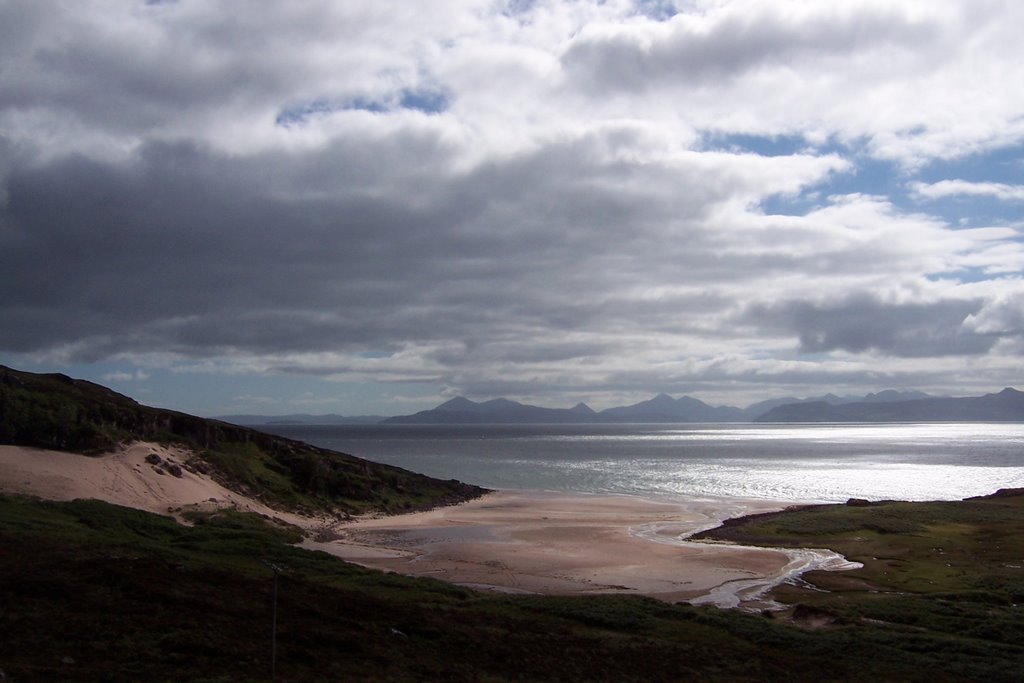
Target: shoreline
(577,544)
(534,542)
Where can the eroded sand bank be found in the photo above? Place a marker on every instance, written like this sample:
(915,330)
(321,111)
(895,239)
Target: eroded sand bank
(145,476)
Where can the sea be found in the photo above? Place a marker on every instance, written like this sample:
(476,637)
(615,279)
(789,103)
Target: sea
(798,463)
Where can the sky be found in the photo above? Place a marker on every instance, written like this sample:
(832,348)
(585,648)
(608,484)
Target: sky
(371,206)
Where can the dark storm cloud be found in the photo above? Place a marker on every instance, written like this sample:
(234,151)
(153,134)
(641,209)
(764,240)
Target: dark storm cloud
(184,249)
(863,323)
(364,245)
(184,246)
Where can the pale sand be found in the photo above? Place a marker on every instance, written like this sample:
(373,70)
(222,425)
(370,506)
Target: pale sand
(508,541)
(125,478)
(570,544)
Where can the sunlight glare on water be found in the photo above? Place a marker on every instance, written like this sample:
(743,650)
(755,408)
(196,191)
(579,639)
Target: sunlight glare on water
(827,462)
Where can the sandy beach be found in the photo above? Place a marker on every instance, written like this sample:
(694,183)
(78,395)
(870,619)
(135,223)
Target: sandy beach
(519,542)
(531,542)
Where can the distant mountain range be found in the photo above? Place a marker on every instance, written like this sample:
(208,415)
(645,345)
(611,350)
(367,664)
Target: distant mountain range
(461,410)
(888,396)
(1006,406)
(884,406)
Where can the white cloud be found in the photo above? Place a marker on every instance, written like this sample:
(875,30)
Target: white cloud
(1004,313)
(916,79)
(956,188)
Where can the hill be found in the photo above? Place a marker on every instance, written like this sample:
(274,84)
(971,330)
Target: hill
(1005,406)
(755,410)
(64,414)
(662,408)
(950,567)
(460,410)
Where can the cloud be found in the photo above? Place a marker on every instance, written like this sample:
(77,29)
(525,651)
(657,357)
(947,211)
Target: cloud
(863,323)
(730,41)
(954,188)
(506,197)
(905,79)
(186,251)
(1004,316)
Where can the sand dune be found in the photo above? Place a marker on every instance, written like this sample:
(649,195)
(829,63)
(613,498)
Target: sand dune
(509,541)
(164,484)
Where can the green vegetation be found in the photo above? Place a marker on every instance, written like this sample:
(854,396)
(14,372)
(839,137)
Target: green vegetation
(92,591)
(54,411)
(949,569)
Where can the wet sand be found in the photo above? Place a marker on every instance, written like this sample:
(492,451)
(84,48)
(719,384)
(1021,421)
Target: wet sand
(526,542)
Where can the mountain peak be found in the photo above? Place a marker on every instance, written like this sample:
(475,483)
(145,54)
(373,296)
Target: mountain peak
(457,403)
(500,403)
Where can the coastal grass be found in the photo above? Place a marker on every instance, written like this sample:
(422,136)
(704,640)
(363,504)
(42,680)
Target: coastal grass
(299,477)
(92,591)
(950,569)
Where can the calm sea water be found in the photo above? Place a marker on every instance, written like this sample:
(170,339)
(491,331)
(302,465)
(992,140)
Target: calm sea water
(829,462)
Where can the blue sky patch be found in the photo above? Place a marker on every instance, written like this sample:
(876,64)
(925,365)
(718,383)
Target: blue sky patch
(882,178)
(517,7)
(658,10)
(426,101)
(1004,166)
(763,145)
(302,113)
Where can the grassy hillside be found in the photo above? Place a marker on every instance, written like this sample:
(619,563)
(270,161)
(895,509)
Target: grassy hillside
(92,591)
(954,568)
(57,412)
